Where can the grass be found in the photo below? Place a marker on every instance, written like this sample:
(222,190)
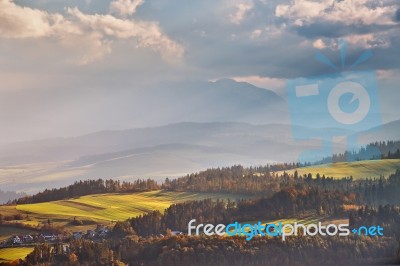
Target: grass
(113,207)
(8,210)
(11,254)
(358,170)
(99,208)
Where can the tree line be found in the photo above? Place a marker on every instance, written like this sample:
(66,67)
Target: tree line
(386,215)
(286,203)
(229,251)
(373,151)
(255,181)
(250,181)
(88,187)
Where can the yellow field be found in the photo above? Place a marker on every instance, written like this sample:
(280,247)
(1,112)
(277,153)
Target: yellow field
(112,207)
(10,254)
(358,170)
(99,208)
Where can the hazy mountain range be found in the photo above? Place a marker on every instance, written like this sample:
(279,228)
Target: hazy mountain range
(5,196)
(253,138)
(158,152)
(219,101)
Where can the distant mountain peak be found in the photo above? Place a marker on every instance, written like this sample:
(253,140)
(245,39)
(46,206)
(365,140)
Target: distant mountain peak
(227,81)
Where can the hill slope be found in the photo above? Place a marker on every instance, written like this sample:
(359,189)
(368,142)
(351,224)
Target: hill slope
(359,169)
(112,207)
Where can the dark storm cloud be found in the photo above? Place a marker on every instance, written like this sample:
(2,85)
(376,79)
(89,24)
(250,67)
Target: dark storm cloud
(282,50)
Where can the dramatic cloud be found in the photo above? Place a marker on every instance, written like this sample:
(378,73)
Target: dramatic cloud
(84,65)
(364,23)
(366,12)
(95,33)
(147,34)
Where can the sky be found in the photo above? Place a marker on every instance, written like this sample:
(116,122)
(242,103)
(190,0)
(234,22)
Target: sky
(67,67)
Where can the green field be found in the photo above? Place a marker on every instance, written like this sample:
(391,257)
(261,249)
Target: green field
(113,207)
(10,254)
(358,170)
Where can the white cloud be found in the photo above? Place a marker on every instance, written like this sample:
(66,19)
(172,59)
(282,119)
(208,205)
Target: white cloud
(370,40)
(386,74)
(319,44)
(366,12)
(372,20)
(89,37)
(125,7)
(266,34)
(147,34)
(92,47)
(365,41)
(301,9)
(20,22)
(241,11)
(255,34)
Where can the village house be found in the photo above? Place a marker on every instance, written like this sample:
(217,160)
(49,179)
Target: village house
(17,240)
(28,239)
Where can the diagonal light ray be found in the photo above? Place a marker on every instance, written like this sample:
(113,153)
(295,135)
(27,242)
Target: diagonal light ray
(363,57)
(325,60)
